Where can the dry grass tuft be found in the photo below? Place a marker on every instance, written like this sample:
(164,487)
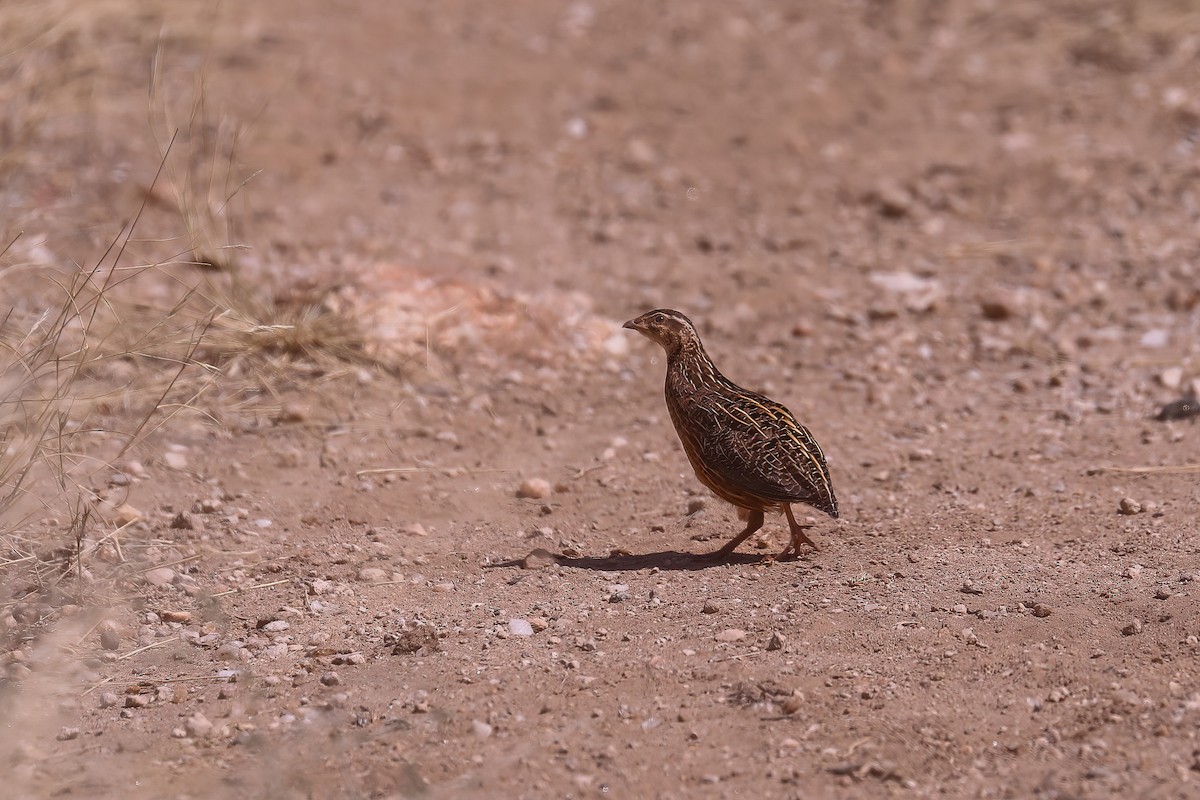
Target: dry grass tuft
(94,360)
(249,332)
(254,331)
(58,377)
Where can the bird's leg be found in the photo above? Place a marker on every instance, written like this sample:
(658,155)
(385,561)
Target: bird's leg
(753,522)
(798,536)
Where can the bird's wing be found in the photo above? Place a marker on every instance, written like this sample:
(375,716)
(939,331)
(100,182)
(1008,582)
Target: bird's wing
(758,446)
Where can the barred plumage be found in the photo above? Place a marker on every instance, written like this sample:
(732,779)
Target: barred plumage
(748,449)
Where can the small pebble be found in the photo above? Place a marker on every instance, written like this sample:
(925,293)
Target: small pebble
(181,522)
(372,575)
(1132,629)
(793,703)
(640,153)
(730,635)
(293,412)
(696,504)
(110,639)
(576,127)
(137,700)
(175,460)
(534,489)
(67,734)
(331,679)
(776,641)
(1041,610)
(996,308)
(162,576)
(892,199)
(520,627)
(209,505)
(1172,377)
(127,514)
(175,616)
(166,694)
(710,607)
(230,651)
(482,729)
(1155,337)
(198,725)
(1128,507)
(109,700)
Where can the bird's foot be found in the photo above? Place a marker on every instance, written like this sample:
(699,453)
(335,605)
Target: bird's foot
(792,551)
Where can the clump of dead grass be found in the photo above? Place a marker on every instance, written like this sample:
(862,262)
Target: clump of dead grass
(251,332)
(97,359)
(263,327)
(94,360)
(56,382)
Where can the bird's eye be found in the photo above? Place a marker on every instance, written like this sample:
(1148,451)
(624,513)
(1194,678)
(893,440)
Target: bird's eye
(660,317)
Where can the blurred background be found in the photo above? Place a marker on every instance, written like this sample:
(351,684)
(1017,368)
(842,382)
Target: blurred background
(712,154)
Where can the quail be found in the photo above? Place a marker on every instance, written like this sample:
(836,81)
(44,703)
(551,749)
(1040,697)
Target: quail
(749,450)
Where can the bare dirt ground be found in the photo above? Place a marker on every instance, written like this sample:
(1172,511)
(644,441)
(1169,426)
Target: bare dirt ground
(958,239)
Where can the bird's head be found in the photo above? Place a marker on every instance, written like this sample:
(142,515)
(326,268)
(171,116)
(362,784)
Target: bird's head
(669,328)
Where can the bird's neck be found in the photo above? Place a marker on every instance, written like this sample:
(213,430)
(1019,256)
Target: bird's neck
(689,366)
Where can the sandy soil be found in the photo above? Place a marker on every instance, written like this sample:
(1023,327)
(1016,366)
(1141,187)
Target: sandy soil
(958,239)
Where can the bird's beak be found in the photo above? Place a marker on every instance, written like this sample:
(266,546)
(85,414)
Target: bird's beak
(632,325)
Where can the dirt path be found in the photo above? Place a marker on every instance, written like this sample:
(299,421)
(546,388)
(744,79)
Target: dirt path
(957,239)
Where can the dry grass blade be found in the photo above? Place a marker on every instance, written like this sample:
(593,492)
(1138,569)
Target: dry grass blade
(1182,469)
(968,250)
(241,589)
(40,363)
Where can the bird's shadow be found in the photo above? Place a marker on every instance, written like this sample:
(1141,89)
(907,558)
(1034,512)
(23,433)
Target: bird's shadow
(664,560)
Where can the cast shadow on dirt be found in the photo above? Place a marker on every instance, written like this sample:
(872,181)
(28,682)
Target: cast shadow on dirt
(666,560)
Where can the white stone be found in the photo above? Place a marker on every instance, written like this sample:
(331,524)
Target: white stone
(534,488)
(162,576)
